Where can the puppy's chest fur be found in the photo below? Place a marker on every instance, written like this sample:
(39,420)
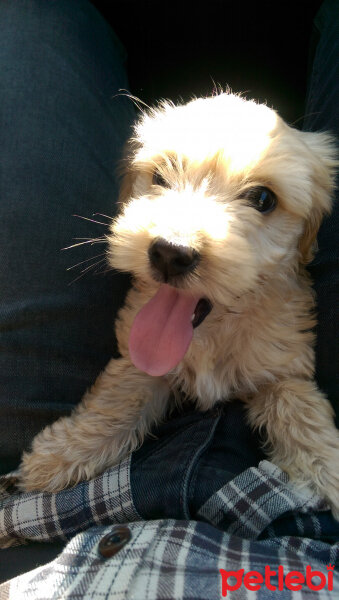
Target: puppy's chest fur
(238,349)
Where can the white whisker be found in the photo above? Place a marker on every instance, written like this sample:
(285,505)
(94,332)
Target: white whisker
(92,241)
(86,260)
(84,271)
(91,220)
(102,215)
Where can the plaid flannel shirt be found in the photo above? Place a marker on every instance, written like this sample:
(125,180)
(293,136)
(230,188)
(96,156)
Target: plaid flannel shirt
(238,528)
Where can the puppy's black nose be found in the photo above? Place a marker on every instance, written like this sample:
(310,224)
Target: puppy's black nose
(171,260)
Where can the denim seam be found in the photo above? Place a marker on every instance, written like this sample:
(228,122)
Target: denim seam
(190,465)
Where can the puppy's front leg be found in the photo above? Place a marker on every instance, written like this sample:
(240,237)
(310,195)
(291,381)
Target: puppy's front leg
(111,421)
(301,435)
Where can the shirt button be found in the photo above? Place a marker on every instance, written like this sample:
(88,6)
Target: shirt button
(114,541)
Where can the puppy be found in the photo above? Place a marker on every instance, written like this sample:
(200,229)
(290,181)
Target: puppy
(221,204)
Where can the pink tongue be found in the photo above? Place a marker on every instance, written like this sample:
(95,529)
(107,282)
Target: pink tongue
(162,331)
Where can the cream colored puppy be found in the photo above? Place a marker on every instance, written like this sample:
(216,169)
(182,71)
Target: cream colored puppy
(221,204)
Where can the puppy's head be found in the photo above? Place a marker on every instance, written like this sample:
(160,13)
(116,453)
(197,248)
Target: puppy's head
(219,194)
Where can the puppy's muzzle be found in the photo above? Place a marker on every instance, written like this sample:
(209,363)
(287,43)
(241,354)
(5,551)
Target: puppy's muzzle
(169,260)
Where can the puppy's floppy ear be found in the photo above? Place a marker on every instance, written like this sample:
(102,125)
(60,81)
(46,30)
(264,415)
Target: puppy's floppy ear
(323,161)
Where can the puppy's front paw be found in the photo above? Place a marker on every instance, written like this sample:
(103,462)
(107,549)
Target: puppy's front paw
(323,479)
(63,455)
(44,472)
(54,463)
(327,482)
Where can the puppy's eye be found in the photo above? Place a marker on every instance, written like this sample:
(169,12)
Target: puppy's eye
(262,199)
(158,179)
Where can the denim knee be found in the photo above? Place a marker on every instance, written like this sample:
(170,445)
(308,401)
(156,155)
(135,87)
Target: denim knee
(63,125)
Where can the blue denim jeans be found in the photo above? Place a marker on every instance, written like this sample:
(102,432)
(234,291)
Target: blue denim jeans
(62,130)
(63,125)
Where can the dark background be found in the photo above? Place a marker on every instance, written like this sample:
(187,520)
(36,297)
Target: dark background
(178,49)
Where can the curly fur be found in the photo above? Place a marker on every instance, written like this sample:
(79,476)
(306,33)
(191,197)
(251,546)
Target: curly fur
(257,342)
